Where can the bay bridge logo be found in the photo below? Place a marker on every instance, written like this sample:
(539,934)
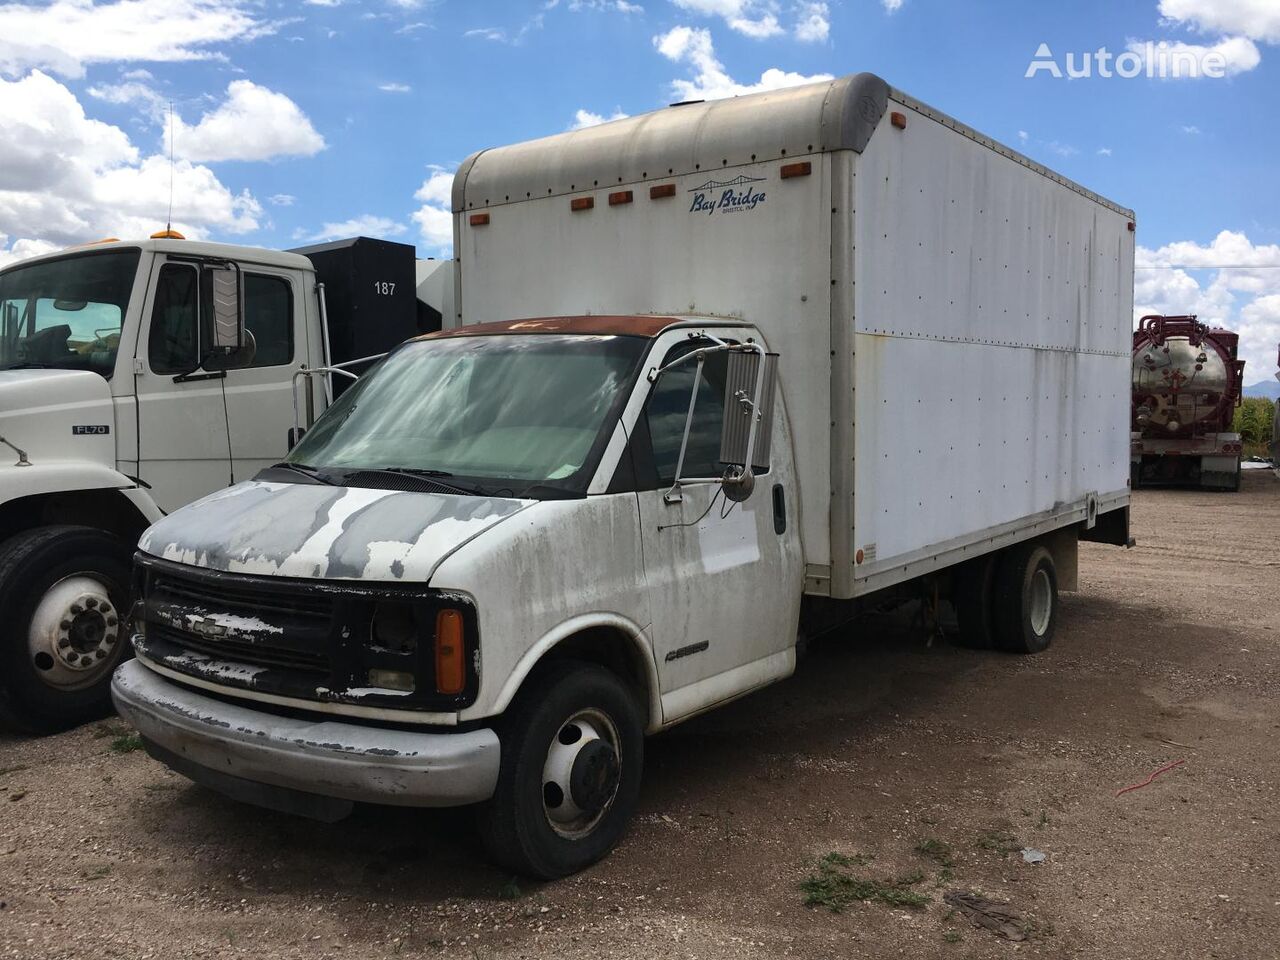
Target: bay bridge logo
(729,196)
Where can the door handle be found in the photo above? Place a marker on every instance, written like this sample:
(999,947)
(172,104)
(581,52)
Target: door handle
(779,509)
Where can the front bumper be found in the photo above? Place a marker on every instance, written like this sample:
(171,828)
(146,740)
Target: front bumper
(313,767)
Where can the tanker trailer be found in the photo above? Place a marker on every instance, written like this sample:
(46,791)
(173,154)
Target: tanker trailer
(1187,384)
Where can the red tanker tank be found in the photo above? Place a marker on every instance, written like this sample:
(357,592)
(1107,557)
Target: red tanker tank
(1187,384)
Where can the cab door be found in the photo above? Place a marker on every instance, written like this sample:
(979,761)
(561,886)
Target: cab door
(258,383)
(183,450)
(724,578)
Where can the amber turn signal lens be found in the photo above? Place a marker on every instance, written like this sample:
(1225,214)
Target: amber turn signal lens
(451,664)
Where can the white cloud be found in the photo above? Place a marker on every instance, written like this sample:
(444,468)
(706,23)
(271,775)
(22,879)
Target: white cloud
(67,35)
(282,200)
(585,118)
(394,87)
(813,22)
(1257,19)
(487,33)
(1241,290)
(1191,130)
(324,3)
(366,225)
(892,6)
(757,19)
(130,92)
(1104,151)
(693,48)
(21,249)
(253,123)
(1189,61)
(66,178)
(434,220)
(621,6)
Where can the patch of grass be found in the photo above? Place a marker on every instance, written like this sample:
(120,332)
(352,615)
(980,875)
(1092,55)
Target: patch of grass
(835,887)
(103,730)
(1043,821)
(951,936)
(997,841)
(126,743)
(939,851)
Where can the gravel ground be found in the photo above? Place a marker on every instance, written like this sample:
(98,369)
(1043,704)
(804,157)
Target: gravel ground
(928,766)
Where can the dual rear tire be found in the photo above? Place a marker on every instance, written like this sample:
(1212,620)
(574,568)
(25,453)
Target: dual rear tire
(1008,600)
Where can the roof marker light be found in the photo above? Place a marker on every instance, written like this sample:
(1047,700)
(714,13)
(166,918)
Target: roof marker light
(790,170)
(899,120)
(167,235)
(662,191)
(621,197)
(479,219)
(578,204)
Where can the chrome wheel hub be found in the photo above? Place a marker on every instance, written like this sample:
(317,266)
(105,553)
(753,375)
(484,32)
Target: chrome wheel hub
(74,633)
(1041,602)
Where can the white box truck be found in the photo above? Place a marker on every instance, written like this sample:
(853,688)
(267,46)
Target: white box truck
(118,403)
(716,374)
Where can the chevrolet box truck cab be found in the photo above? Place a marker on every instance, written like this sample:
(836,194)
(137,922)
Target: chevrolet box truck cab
(715,374)
(128,387)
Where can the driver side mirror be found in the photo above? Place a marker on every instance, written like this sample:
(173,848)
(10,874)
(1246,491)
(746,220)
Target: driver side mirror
(226,317)
(747,432)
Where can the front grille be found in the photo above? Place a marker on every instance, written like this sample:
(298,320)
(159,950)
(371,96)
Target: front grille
(253,654)
(298,638)
(240,620)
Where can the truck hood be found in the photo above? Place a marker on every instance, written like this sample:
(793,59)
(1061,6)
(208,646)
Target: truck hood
(323,532)
(57,415)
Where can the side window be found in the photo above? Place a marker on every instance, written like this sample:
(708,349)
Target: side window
(268,315)
(668,408)
(173,345)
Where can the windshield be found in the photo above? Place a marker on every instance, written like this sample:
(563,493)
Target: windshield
(66,313)
(500,413)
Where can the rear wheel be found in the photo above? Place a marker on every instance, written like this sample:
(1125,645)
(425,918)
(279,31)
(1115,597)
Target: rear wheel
(64,593)
(1026,599)
(572,757)
(972,596)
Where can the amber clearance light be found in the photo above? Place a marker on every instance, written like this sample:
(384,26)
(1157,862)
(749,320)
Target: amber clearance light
(451,662)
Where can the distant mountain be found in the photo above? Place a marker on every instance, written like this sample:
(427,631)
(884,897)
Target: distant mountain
(1266,388)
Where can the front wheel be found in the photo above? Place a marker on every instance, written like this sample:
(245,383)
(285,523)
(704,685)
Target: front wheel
(64,593)
(572,757)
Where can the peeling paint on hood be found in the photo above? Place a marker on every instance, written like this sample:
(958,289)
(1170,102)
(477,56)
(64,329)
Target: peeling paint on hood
(322,532)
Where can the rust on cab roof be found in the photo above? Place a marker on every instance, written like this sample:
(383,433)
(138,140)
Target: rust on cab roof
(632,325)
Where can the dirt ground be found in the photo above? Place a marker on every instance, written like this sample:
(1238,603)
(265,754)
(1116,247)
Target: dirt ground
(881,747)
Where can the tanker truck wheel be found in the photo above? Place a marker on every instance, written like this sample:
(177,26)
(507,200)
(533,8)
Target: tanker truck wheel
(64,593)
(1026,598)
(572,756)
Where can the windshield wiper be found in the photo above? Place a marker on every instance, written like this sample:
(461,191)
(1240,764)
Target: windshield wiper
(424,472)
(25,365)
(306,470)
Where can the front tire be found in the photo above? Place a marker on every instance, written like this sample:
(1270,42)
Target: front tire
(572,758)
(64,594)
(1026,599)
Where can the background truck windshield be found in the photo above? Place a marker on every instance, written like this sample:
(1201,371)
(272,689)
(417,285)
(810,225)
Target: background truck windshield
(519,410)
(66,313)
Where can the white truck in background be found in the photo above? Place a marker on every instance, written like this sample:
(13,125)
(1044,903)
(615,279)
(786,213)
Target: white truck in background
(136,377)
(716,376)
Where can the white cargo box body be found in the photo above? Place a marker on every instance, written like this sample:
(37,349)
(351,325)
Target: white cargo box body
(953,319)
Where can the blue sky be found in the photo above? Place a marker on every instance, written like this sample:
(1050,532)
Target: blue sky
(295,121)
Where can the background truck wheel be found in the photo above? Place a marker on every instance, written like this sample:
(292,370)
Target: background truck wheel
(572,756)
(64,595)
(972,596)
(1026,599)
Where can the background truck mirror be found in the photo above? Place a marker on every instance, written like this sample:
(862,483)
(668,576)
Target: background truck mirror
(226,318)
(746,413)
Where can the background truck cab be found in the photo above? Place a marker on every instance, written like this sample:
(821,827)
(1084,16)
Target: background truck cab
(117,405)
